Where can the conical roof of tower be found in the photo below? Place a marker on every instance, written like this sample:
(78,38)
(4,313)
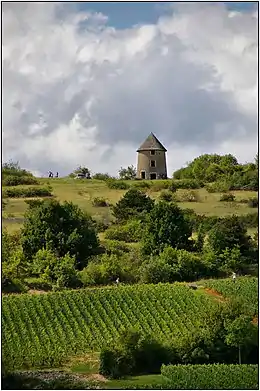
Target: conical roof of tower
(151,143)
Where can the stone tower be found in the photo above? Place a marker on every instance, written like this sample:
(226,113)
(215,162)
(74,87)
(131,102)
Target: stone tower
(151,162)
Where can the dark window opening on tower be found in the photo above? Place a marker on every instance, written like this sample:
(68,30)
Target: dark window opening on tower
(152,163)
(152,152)
(153,175)
(143,174)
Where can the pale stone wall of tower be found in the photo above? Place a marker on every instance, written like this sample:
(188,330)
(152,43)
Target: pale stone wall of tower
(144,159)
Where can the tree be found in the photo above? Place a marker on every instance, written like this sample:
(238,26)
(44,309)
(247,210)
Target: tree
(81,170)
(127,173)
(133,203)
(60,272)
(166,226)
(227,234)
(240,333)
(61,228)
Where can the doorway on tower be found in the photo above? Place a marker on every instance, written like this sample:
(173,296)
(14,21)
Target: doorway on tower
(153,175)
(143,174)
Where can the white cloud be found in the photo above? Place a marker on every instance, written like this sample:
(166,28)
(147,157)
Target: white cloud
(78,92)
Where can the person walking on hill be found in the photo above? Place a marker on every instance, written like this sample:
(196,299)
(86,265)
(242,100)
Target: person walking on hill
(234,276)
(117,281)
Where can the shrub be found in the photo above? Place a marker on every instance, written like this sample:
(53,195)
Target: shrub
(22,192)
(189,196)
(228,197)
(221,186)
(133,354)
(160,185)
(133,204)
(250,220)
(101,226)
(173,187)
(13,285)
(14,180)
(99,202)
(253,202)
(130,232)
(92,274)
(166,195)
(61,228)
(117,184)
(101,177)
(60,272)
(228,233)
(188,184)
(156,271)
(115,247)
(141,185)
(37,283)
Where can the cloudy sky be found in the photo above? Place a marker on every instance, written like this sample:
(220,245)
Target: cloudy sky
(85,83)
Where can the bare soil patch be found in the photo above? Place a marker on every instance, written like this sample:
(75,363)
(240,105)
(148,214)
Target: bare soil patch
(215,294)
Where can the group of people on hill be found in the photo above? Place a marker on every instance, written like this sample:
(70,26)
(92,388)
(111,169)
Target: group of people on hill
(51,174)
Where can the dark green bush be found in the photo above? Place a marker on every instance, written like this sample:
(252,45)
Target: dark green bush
(13,285)
(228,197)
(101,226)
(101,177)
(117,184)
(134,204)
(23,192)
(99,202)
(61,228)
(173,187)
(166,195)
(134,354)
(37,283)
(15,180)
(250,220)
(253,202)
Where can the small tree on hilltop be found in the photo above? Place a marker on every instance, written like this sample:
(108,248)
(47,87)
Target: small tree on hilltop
(132,204)
(166,226)
(81,170)
(127,173)
(61,228)
(227,234)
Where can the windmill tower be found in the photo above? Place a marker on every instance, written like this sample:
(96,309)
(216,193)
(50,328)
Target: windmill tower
(151,159)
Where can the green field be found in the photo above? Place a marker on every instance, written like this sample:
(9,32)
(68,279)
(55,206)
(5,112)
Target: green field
(42,330)
(83,192)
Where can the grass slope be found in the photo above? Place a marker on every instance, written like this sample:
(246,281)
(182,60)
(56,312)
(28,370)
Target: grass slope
(42,330)
(82,192)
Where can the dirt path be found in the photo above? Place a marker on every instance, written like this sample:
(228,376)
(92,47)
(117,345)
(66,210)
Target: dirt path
(215,294)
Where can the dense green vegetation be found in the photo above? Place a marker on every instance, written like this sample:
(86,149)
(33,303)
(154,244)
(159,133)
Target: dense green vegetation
(245,290)
(41,330)
(204,377)
(222,172)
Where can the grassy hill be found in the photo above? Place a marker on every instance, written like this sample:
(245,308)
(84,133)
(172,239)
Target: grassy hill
(83,192)
(44,330)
